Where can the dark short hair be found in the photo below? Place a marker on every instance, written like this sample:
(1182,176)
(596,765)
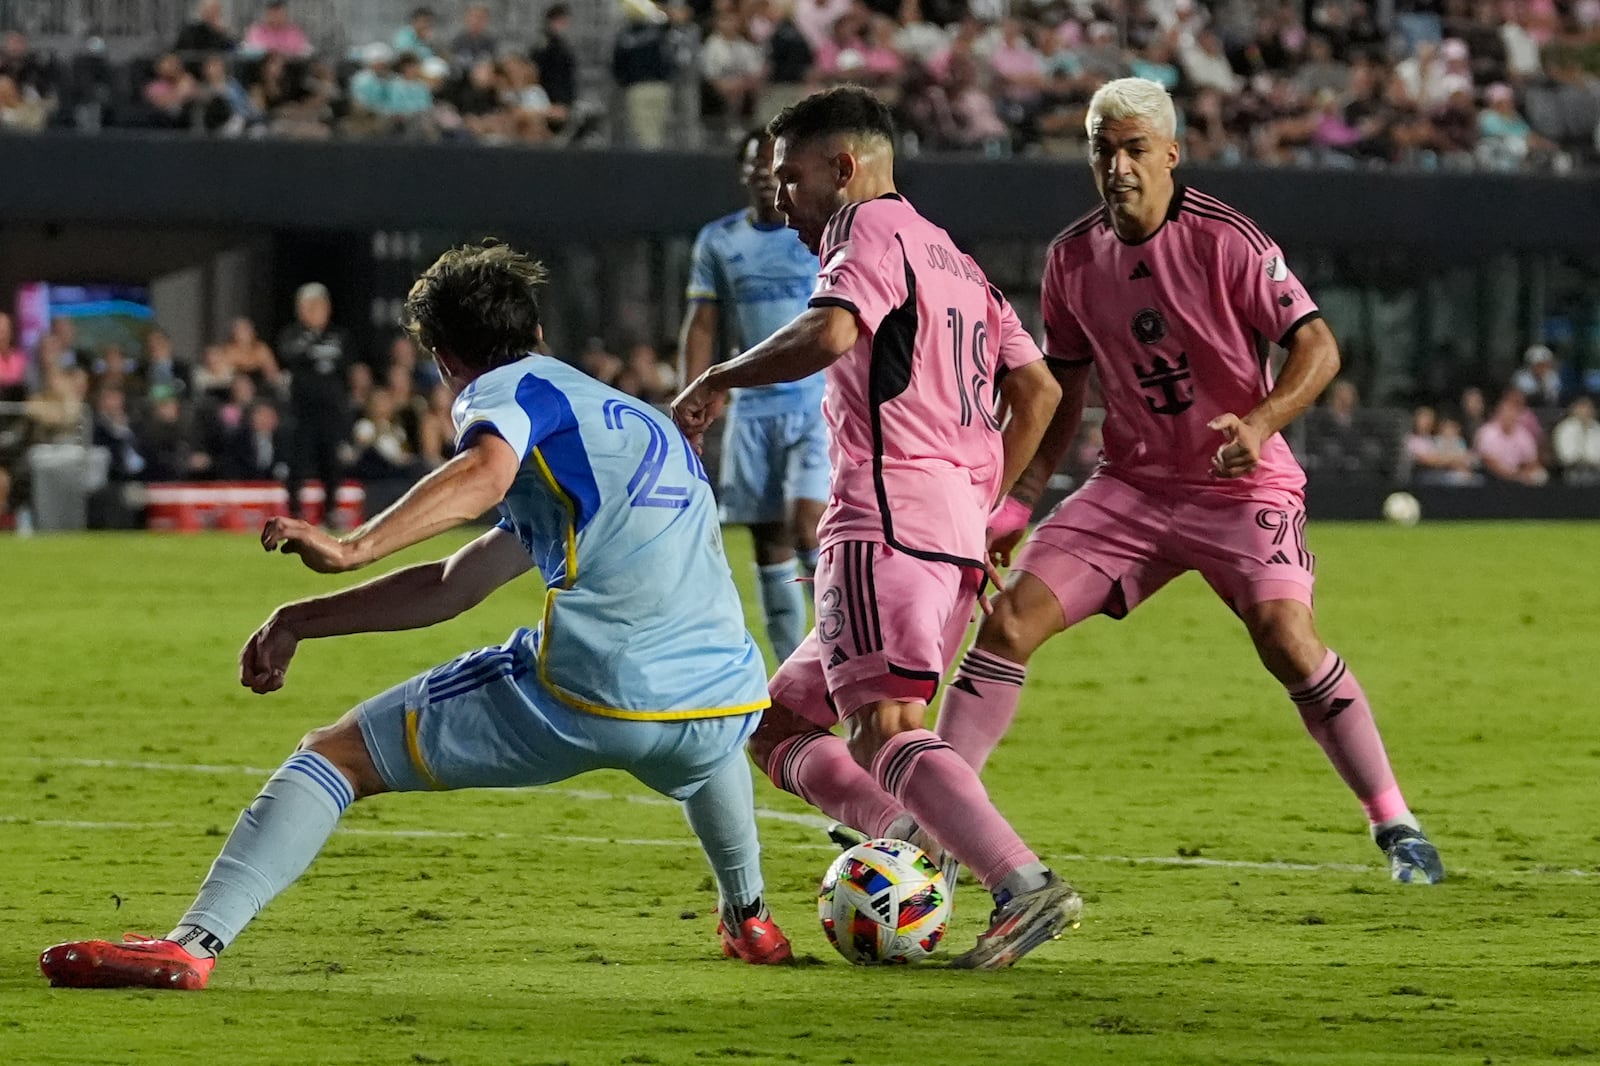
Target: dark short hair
(557,11)
(421,12)
(479,304)
(848,109)
(755,136)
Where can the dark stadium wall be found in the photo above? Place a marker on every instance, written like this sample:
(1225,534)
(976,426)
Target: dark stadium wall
(119,178)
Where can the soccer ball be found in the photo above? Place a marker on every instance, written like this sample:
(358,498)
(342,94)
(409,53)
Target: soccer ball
(884,902)
(1402,509)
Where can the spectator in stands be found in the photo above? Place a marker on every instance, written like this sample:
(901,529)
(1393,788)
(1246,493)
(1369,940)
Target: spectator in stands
(225,105)
(1320,70)
(917,39)
(416,36)
(643,68)
(474,43)
(171,93)
(526,104)
(1508,448)
(57,411)
(259,451)
(599,363)
(213,378)
(1576,440)
(385,450)
(409,100)
(276,34)
(16,369)
(29,70)
(1521,45)
(977,122)
(21,110)
(369,90)
(219,419)
(167,440)
(114,369)
(113,432)
(790,62)
(160,369)
(317,356)
(1474,412)
(815,18)
(248,354)
(1338,442)
(437,434)
(733,70)
(1206,65)
(644,375)
(557,62)
(208,32)
(1539,380)
(477,101)
(1438,458)
(1505,138)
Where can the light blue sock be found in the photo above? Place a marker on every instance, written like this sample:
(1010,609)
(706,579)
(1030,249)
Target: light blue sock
(271,845)
(784,602)
(723,815)
(808,560)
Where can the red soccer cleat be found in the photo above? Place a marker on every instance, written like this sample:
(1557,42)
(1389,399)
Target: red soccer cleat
(138,962)
(760,942)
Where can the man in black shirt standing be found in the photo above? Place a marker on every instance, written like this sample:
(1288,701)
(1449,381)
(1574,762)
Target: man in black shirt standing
(207,33)
(317,357)
(557,62)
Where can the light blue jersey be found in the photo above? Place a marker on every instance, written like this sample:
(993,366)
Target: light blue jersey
(642,619)
(761,277)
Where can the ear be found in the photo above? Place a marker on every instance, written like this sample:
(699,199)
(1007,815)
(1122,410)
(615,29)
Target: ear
(845,168)
(1173,154)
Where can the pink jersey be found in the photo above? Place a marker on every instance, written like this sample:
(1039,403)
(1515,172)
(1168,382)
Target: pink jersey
(912,433)
(1178,326)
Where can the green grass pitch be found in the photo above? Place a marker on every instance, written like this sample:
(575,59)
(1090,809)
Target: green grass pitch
(1236,910)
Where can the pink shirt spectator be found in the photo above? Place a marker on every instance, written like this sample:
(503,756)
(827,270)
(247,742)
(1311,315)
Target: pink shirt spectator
(1019,68)
(286,40)
(913,438)
(815,18)
(1508,450)
(13,368)
(1178,326)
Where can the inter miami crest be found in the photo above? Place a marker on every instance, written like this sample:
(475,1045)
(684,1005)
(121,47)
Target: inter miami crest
(1149,326)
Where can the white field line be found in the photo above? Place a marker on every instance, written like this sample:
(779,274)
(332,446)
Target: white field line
(596,795)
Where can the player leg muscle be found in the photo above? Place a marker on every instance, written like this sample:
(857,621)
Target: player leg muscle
(1286,638)
(806,760)
(346,749)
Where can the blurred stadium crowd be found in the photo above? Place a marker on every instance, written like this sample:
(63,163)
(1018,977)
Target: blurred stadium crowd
(1494,84)
(247,410)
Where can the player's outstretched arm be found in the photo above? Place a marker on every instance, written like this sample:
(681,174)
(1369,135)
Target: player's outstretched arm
(1313,363)
(457,492)
(410,598)
(812,342)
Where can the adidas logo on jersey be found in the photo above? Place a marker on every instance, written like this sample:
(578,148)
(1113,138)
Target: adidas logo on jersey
(1140,272)
(837,657)
(1279,557)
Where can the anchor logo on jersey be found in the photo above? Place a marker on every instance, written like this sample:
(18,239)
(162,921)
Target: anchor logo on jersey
(1171,378)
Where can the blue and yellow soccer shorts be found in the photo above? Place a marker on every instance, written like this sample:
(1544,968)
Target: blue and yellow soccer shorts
(485,720)
(768,462)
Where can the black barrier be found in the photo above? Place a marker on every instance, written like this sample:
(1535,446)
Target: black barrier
(559,194)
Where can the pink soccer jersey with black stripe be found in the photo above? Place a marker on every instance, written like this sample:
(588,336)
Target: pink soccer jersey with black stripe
(913,436)
(1178,327)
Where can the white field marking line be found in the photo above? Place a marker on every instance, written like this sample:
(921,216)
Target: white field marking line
(409,834)
(809,820)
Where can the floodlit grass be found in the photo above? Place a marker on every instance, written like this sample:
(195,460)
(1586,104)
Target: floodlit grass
(549,927)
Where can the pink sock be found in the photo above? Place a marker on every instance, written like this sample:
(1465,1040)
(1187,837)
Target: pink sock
(979,705)
(947,799)
(818,768)
(1337,715)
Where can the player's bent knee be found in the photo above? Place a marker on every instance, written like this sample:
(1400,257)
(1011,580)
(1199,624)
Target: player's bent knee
(778,724)
(1285,637)
(1017,627)
(343,745)
(873,727)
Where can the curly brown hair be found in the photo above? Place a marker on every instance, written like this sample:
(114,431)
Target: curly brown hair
(478,304)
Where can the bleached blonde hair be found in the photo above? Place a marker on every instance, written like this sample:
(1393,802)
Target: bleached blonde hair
(1133,98)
